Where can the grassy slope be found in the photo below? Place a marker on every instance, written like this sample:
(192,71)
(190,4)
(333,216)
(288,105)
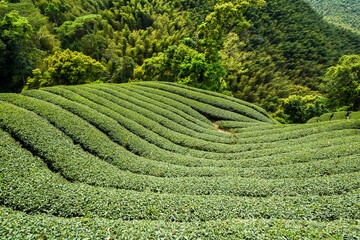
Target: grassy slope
(145,161)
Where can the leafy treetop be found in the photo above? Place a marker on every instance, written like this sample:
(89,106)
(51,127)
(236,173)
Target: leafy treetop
(344,82)
(67,68)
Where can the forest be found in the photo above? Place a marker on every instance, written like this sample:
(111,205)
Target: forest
(276,54)
(344,13)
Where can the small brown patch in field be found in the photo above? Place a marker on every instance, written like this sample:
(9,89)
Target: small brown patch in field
(221,130)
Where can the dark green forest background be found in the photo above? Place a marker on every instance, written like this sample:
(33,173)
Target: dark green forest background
(277,59)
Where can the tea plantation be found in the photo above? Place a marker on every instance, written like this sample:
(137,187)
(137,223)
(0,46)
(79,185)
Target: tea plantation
(164,161)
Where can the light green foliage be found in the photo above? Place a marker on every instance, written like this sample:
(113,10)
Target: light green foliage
(226,15)
(340,12)
(268,51)
(195,71)
(298,109)
(184,65)
(200,65)
(344,82)
(66,68)
(15,26)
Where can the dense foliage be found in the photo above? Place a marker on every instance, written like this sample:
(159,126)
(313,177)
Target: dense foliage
(145,160)
(67,68)
(344,82)
(297,109)
(344,13)
(261,53)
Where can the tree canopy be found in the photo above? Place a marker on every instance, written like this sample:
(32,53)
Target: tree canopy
(66,68)
(261,53)
(344,82)
(16,59)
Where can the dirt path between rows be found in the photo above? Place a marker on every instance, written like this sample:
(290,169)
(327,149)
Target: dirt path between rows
(221,130)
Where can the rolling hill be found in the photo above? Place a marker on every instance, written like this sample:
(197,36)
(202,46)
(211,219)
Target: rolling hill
(161,160)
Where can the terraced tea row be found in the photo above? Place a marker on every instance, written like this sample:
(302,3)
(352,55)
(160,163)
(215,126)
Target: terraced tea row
(99,228)
(148,155)
(335,116)
(43,191)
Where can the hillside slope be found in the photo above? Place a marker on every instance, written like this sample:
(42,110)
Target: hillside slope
(345,13)
(146,161)
(286,50)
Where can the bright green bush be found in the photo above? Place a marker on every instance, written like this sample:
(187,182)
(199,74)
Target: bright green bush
(66,68)
(354,115)
(336,116)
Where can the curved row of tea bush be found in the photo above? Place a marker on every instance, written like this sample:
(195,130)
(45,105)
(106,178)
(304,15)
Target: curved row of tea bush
(141,147)
(42,191)
(113,129)
(39,226)
(220,95)
(100,161)
(158,108)
(84,135)
(235,126)
(155,114)
(153,138)
(169,104)
(154,132)
(150,151)
(343,115)
(242,131)
(114,178)
(157,124)
(208,110)
(200,97)
(72,162)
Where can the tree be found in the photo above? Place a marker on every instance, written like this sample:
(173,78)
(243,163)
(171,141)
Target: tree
(93,45)
(184,65)
(123,70)
(195,71)
(16,53)
(227,16)
(344,82)
(71,32)
(298,109)
(67,68)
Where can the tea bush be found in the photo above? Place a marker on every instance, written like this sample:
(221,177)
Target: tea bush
(149,161)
